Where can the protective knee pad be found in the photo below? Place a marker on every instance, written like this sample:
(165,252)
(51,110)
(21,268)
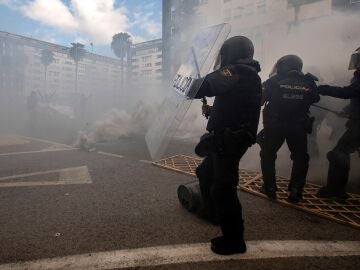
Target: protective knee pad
(339,158)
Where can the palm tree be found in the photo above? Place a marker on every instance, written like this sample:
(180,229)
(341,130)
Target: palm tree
(47,57)
(120,45)
(77,52)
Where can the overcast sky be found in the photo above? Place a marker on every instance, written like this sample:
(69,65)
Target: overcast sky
(85,21)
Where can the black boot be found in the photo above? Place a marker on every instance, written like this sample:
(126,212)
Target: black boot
(295,195)
(328,193)
(222,246)
(269,192)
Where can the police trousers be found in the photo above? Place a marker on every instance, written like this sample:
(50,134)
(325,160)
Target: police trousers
(219,177)
(339,158)
(295,135)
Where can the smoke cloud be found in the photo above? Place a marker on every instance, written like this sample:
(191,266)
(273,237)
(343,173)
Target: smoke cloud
(325,46)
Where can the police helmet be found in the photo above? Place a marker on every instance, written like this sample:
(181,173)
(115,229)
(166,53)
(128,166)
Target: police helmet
(355,60)
(286,64)
(233,49)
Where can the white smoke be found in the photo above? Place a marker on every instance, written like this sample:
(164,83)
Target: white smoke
(115,125)
(58,109)
(325,45)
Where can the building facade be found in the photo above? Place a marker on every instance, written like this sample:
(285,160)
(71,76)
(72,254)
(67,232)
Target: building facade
(346,5)
(147,61)
(263,21)
(22,70)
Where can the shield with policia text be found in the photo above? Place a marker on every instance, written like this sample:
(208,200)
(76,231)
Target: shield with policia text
(200,58)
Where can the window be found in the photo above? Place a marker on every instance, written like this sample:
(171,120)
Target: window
(172,31)
(172,14)
(146,72)
(147,65)
(146,51)
(146,58)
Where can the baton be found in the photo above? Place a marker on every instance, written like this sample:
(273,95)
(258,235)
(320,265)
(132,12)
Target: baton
(329,110)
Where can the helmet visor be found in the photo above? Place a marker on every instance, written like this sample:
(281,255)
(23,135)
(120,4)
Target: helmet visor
(354,61)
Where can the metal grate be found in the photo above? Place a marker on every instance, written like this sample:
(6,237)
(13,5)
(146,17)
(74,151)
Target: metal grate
(345,212)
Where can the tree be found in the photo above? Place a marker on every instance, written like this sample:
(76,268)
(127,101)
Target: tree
(77,52)
(47,57)
(120,45)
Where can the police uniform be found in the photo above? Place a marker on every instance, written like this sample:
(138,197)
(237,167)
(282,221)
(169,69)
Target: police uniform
(339,157)
(288,97)
(233,123)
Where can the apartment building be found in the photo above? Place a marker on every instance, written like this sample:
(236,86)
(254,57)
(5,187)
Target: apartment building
(147,61)
(22,71)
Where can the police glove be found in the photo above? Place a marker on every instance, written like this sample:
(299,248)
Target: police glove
(206,110)
(323,89)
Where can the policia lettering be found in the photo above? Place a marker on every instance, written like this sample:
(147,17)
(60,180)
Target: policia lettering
(182,83)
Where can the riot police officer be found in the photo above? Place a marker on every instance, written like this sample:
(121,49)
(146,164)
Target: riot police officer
(232,128)
(288,94)
(339,157)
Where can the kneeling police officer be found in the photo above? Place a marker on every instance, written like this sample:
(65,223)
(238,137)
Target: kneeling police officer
(288,95)
(232,127)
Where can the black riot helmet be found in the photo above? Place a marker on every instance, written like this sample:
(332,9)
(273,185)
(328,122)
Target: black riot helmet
(233,49)
(286,64)
(355,60)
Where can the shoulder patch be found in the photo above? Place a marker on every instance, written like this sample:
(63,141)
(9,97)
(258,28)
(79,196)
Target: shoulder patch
(227,72)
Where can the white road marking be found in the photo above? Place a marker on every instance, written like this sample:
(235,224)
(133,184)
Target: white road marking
(68,176)
(177,254)
(109,154)
(37,151)
(145,161)
(8,140)
(58,147)
(45,141)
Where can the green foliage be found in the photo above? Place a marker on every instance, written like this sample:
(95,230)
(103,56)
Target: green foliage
(77,51)
(120,44)
(47,57)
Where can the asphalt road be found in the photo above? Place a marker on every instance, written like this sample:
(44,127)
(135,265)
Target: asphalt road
(131,204)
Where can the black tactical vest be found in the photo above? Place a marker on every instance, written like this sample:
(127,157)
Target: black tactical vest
(289,97)
(240,107)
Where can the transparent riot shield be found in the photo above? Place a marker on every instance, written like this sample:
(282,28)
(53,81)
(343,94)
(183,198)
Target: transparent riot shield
(200,59)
